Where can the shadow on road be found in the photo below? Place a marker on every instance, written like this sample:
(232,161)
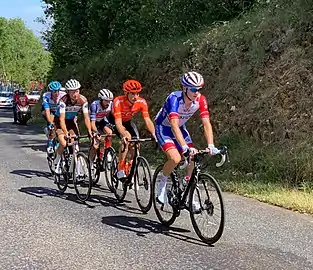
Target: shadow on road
(33,173)
(41,192)
(36,145)
(112,202)
(143,226)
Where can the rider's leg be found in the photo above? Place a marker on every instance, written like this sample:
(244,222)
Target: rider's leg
(107,140)
(122,158)
(51,136)
(60,150)
(188,140)
(131,132)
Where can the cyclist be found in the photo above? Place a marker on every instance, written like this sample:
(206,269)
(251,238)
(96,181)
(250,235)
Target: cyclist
(70,105)
(124,108)
(51,100)
(171,131)
(102,119)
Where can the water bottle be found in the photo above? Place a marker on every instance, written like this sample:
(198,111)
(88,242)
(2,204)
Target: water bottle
(186,181)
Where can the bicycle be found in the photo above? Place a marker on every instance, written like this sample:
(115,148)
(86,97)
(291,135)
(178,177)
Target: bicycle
(133,177)
(183,196)
(76,166)
(103,161)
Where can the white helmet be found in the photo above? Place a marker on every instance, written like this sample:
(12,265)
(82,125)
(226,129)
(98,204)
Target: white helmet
(72,84)
(105,94)
(192,79)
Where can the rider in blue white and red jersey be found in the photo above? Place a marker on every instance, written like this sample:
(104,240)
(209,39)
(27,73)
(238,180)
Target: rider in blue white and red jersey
(171,131)
(102,119)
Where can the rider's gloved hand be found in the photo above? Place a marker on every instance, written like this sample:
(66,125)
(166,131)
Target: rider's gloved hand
(50,126)
(155,138)
(212,149)
(186,151)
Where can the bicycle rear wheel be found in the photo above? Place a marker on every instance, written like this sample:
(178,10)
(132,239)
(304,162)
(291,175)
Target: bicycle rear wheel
(165,211)
(108,161)
(142,184)
(82,178)
(207,209)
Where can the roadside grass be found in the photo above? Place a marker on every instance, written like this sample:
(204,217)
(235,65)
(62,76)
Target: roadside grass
(289,198)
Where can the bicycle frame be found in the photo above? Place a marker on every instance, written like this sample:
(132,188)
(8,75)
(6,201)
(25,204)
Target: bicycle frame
(194,177)
(136,142)
(185,191)
(70,157)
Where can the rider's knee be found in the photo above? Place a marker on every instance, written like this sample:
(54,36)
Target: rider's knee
(175,158)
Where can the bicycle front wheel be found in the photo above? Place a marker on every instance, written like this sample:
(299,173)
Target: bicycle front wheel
(97,168)
(82,178)
(206,208)
(142,184)
(118,186)
(108,162)
(62,179)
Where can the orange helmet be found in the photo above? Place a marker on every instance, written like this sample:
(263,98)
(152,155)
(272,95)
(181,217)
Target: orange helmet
(132,86)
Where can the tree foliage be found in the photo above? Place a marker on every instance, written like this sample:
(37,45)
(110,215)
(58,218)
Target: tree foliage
(22,55)
(85,27)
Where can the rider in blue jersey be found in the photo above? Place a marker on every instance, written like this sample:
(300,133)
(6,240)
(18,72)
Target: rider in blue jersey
(51,100)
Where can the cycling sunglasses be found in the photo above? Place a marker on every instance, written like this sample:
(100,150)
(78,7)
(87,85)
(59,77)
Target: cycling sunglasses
(194,89)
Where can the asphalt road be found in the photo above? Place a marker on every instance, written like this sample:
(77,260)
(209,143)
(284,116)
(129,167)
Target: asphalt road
(41,229)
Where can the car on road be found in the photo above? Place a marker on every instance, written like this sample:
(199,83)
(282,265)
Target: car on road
(6,99)
(33,96)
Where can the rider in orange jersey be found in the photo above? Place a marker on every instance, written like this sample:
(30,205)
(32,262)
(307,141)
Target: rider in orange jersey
(124,108)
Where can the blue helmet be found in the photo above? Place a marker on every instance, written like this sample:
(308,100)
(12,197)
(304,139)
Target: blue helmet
(54,86)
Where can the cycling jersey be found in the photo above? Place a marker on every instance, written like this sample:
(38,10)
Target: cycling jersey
(70,109)
(174,108)
(97,113)
(125,111)
(49,103)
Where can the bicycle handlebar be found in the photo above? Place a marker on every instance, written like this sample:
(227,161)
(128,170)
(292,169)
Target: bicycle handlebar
(136,140)
(222,152)
(75,137)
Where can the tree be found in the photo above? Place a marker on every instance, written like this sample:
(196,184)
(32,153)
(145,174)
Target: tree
(22,55)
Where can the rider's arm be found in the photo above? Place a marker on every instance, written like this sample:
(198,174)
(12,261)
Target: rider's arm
(46,106)
(147,119)
(177,132)
(48,115)
(62,118)
(150,125)
(87,118)
(205,117)
(118,117)
(208,131)
(172,104)
(93,112)
(119,126)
